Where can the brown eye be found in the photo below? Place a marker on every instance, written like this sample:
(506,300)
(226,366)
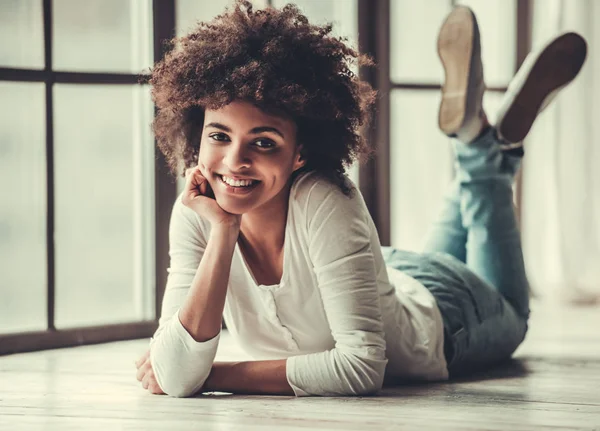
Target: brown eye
(218,136)
(264,143)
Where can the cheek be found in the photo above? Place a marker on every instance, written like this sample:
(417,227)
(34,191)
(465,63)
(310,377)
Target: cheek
(207,157)
(278,177)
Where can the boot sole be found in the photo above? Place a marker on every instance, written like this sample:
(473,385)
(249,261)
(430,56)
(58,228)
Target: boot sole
(455,47)
(556,66)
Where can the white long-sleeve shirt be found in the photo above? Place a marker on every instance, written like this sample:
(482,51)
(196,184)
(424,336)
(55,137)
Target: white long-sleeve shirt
(339,315)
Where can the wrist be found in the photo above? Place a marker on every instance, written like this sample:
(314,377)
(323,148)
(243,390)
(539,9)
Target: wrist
(229,231)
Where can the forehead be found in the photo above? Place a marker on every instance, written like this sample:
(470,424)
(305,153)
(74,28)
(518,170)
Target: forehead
(245,116)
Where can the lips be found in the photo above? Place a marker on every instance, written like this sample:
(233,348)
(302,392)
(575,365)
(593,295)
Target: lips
(241,182)
(238,189)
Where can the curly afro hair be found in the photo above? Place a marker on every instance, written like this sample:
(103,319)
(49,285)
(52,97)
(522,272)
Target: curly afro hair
(279,62)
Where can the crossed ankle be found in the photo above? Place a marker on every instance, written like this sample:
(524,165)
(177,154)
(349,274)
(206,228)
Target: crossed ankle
(475,128)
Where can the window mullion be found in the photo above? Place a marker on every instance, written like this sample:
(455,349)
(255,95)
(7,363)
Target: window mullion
(51,296)
(165,187)
(523,39)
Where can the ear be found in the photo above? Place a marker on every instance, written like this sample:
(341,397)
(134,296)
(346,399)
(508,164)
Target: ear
(299,160)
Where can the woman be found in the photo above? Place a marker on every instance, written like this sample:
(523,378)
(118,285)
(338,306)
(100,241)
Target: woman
(261,110)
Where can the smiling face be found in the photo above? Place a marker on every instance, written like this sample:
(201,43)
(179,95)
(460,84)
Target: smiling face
(247,156)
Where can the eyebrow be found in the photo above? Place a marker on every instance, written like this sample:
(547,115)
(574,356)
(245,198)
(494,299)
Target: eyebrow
(254,131)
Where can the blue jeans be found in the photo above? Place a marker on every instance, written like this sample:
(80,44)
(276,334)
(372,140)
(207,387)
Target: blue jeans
(473,262)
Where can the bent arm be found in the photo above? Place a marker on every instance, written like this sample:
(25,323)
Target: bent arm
(340,247)
(183,349)
(356,366)
(202,311)
(340,243)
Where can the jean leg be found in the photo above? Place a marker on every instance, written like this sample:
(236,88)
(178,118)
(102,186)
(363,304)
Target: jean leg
(493,245)
(480,327)
(447,233)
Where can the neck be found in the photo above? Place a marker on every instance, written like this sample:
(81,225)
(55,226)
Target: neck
(264,228)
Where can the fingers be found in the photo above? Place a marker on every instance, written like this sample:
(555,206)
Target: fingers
(141,372)
(149,382)
(145,374)
(153,386)
(155,389)
(196,185)
(193,179)
(146,380)
(143,359)
(193,171)
(205,188)
(197,178)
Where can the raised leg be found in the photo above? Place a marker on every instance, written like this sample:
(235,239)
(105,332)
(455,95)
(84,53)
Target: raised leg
(447,233)
(460,115)
(478,224)
(484,295)
(485,176)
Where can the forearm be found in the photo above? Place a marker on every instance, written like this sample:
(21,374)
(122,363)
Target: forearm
(202,311)
(251,377)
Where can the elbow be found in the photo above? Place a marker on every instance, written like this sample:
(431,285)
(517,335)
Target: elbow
(369,385)
(177,387)
(340,372)
(181,365)
(179,381)
(372,388)
(178,392)
(367,375)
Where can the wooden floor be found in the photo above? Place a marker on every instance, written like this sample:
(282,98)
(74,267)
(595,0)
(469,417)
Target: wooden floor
(553,383)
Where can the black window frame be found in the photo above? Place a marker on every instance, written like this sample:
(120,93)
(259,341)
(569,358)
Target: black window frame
(163,22)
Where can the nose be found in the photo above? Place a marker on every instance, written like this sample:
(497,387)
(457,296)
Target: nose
(237,157)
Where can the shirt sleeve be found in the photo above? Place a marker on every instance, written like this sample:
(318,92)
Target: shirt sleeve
(180,363)
(339,240)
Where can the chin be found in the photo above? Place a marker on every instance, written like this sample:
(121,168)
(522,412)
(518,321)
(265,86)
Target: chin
(237,208)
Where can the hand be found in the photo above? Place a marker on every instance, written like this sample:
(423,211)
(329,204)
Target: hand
(145,374)
(199,196)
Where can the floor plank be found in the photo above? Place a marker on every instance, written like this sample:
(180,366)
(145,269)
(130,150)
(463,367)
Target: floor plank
(552,383)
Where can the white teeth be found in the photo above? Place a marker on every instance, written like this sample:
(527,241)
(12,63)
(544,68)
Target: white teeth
(237,183)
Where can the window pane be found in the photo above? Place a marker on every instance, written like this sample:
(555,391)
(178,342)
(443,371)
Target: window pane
(23,258)
(342,13)
(104,205)
(189,12)
(414,29)
(421,165)
(491,104)
(102,35)
(353,173)
(22,23)
(497,21)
